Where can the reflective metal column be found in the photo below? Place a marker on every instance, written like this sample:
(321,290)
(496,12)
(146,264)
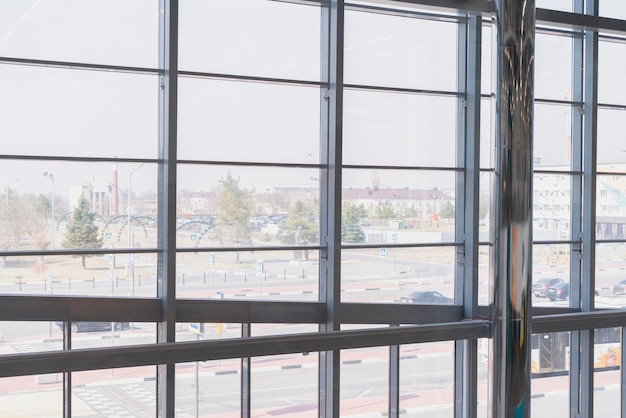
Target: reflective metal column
(514,24)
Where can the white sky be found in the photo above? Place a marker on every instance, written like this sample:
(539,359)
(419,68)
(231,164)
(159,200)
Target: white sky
(60,112)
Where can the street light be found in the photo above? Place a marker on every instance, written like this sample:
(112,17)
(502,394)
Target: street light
(8,192)
(50,176)
(130,177)
(131,258)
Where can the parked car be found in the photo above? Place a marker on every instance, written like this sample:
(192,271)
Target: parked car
(619,288)
(81,326)
(426,296)
(558,291)
(540,287)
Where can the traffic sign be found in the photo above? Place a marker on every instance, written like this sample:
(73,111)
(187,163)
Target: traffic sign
(259,266)
(383,252)
(196,327)
(108,236)
(193,237)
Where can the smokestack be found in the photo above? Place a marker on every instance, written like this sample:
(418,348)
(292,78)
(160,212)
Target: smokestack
(114,193)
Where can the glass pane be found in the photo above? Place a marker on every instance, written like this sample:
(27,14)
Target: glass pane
(264,275)
(247,206)
(113,32)
(427,379)
(364,386)
(607,376)
(549,386)
(399,129)
(611,207)
(29,337)
(32,396)
(392,275)
(250,37)
(285,385)
(483,384)
(611,147)
(551,275)
(390,51)
(101,275)
(110,334)
(486,66)
(611,70)
(208,331)
(485,282)
(565,6)
(484,206)
(553,67)
(552,212)
(66,112)
(552,144)
(208,389)
(273,391)
(27,206)
(121,392)
(244,121)
(487,136)
(259,330)
(421,201)
(615,9)
(610,281)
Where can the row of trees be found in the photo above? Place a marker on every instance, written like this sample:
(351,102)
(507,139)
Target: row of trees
(300,228)
(27,217)
(24,221)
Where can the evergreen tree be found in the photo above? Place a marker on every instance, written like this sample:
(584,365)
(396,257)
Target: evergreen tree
(351,231)
(300,227)
(43,205)
(235,211)
(82,232)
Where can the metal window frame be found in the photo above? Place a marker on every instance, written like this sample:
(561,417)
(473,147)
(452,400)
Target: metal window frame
(456,323)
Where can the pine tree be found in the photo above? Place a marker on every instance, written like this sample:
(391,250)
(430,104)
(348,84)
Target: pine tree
(235,210)
(301,227)
(351,231)
(82,232)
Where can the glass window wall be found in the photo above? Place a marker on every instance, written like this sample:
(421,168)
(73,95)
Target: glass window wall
(214,208)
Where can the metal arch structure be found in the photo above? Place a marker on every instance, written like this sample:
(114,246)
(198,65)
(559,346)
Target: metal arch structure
(112,219)
(209,227)
(139,219)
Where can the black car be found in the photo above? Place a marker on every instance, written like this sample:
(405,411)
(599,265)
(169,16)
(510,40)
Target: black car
(540,287)
(81,326)
(426,296)
(619,288)
(558,291)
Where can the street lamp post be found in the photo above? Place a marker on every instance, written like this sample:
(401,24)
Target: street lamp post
(50,176)
(8,193)
(130,177)
(131,258)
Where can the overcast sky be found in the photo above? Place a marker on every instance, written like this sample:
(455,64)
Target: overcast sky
(69,112)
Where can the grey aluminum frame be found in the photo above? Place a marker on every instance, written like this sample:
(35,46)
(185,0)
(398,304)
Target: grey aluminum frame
(463,324)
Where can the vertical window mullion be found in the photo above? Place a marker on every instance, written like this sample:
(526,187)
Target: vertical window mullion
(589,212)
(467,203)
(576,199)
(331,98)
(166,263)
